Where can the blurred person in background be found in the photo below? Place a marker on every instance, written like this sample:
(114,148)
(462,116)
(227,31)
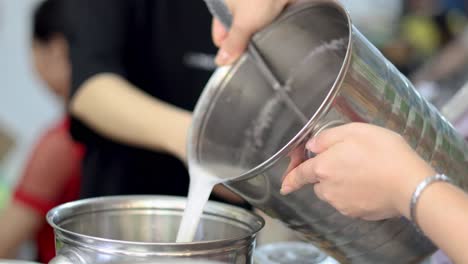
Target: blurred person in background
(425,28)
(443,77)
(52,173)
(445,63)
(137,70)
(376,19)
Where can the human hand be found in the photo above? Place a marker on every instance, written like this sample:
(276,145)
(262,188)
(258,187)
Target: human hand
(362,170)
(249,16)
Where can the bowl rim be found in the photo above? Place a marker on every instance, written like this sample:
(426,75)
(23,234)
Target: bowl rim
(57,215)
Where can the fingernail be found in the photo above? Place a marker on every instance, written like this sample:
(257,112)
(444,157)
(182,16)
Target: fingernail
(222,58)
(285,190)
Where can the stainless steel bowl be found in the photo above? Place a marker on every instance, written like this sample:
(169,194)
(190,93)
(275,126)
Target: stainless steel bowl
(144,228)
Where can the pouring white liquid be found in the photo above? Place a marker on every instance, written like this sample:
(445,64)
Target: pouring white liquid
(201,185)
(202,181)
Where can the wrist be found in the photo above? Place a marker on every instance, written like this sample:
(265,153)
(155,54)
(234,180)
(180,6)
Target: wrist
(178,130)
(421,189)
(407,189)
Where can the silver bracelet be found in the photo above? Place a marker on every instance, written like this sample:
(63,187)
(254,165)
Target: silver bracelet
(420,189)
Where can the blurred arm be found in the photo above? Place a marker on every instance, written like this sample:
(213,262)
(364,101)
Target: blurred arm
(52,163)
(18,223)
(131,116)
(102,98)
(447,62)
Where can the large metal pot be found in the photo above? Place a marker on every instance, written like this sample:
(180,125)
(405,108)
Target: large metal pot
(142,229)
(246,131)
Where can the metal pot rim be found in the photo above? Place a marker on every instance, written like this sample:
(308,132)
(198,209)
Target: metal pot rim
(65,211)
(224,74)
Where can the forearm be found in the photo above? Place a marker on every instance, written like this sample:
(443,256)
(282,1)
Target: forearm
(446,63)
(116,109)
(442,213)
(17,224)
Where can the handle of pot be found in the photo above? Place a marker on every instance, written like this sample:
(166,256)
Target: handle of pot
(317,132)
(220,10)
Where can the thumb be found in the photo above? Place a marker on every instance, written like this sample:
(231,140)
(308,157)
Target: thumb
(329,137)
(218,32)
(234,44)
(300,176)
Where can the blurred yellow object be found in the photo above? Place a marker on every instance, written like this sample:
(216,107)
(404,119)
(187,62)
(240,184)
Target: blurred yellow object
(6,142)
(422,34)
(4,193)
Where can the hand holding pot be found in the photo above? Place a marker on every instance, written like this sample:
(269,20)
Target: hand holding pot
(249,16)
(362,170)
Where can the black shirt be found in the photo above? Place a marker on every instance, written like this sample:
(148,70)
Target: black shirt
(162,47)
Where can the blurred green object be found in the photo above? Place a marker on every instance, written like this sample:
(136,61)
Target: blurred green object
(4,192)
(7,142)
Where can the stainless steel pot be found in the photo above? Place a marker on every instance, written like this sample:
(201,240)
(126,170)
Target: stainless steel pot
(245,131)
(141,229)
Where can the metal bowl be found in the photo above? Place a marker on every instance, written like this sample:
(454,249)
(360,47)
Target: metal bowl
(144,228)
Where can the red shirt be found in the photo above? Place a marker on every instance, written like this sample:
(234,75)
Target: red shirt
(52,177)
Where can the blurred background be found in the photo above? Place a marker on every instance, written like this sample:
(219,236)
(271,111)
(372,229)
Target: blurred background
(426,39)
(26,107)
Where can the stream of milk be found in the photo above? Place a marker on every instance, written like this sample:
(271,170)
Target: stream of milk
(201,185)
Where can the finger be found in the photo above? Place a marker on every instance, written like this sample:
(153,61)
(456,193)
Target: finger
(218,32)
(234,44)
(329,137)
(300,176)
(296,158)
(248,18)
